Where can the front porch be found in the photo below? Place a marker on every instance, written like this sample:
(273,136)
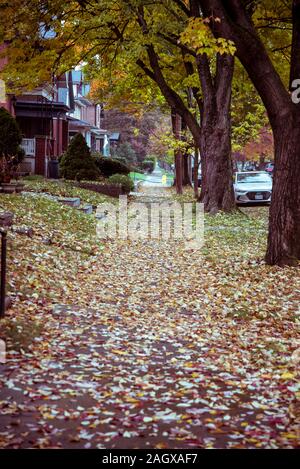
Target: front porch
(45,129)
(38,152)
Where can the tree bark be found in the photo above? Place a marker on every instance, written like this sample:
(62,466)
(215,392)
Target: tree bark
(176,127)
(186,176)
(284,223)
(217,171)
(195,173)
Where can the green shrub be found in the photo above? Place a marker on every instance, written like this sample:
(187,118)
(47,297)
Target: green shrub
(88,174)
(33,177)
(125,150)
(125,181)
(77,161)
(148,165)
(110,166)
(11,154)
(10,134)
(151,158)
(121,159)
(97,154)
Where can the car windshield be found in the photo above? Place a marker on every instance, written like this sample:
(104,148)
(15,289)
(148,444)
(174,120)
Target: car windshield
(253,178)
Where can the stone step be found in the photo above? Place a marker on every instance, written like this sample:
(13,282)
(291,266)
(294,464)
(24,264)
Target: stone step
(71,201)
(87,208)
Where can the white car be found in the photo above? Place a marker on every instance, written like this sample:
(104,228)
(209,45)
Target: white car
(253,187)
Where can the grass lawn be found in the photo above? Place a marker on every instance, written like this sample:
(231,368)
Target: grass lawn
(64,189)
(137,176)
(42,268)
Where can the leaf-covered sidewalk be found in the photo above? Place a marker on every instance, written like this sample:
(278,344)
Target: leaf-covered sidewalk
(158,347)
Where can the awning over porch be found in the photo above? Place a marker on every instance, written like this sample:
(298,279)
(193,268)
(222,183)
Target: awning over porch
(46,109)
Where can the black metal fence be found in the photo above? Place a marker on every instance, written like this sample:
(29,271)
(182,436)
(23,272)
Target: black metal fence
(3,273)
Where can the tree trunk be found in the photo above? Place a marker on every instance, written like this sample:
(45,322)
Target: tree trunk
(186,180)
(186,176)
(217,173)
(195,173)
(216,162)
(284,222)
(176,127)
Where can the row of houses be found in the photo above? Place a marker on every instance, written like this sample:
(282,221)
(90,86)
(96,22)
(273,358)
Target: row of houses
(51,115)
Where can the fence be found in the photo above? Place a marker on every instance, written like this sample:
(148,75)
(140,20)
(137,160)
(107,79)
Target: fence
(3,273)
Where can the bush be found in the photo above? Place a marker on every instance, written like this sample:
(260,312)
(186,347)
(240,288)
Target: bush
(87,175)
(34,177)
(125,181)
(125,150)
(148,165)
(97,154)
(10,134)
(110,166)
(77,162)
(11,154)
(121,159)
(151,158)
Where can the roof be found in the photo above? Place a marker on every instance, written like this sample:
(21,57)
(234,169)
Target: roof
(78,122)
(99,132)
(115,136)
(81,123)
(83,100)
(46,109)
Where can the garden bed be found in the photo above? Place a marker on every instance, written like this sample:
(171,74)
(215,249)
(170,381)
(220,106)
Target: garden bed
(112,190)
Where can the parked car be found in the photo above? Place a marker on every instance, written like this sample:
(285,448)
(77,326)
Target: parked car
(269,168)
(250,166)
(253,187)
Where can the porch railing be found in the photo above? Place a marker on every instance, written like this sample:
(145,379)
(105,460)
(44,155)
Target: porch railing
(28,145)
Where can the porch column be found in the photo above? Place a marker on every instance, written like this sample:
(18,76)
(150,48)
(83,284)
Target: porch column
(40,155)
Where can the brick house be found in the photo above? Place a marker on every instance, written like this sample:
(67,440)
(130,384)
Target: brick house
(86,116)
(43,122)
(49,116)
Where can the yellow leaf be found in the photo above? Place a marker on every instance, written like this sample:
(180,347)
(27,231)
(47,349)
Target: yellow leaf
(118,352)
(287,375)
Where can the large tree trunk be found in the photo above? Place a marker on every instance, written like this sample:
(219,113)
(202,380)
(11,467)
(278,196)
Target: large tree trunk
(216,162)
(217,173)
(284,223)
